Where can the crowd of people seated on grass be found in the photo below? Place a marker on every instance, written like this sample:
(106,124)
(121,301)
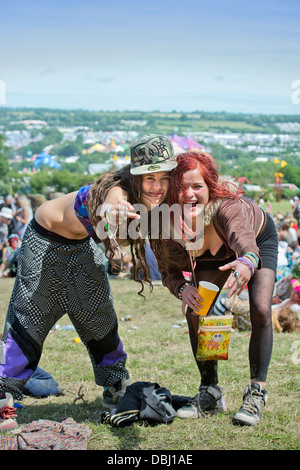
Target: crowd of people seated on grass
(15,214)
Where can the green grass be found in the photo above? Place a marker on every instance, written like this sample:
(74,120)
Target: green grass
(158,352)
(203,125)
(284,206)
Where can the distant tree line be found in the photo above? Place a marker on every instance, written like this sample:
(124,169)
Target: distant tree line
(235,162)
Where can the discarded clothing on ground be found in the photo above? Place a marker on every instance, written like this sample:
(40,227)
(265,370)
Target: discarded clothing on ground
(144,401)
(41,384)
(48,435)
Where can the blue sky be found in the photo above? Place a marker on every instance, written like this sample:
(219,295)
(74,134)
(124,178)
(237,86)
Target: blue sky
(189,55)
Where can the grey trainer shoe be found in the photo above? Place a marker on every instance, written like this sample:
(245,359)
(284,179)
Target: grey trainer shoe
(114,393)
(209,400)
(255,398)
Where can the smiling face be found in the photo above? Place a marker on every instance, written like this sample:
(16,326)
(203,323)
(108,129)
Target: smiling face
(154,188)
(193,192)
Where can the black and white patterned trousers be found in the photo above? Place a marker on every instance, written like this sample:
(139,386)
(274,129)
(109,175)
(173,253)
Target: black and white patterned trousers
(57,276)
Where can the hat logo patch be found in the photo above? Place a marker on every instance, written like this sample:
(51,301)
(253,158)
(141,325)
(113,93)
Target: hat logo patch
(153,167)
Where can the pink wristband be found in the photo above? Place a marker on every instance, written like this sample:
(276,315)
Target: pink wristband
(247,262)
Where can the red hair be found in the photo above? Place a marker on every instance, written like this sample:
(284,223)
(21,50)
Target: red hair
(190,161)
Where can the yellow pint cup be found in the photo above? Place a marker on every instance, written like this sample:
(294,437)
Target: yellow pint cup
(208,292)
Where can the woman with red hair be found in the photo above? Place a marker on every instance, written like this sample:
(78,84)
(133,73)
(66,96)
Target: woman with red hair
(224,237)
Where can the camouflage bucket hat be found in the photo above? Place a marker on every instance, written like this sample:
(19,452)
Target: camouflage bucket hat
(152,153)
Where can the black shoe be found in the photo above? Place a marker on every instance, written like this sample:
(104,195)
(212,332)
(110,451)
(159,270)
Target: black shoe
(210,400)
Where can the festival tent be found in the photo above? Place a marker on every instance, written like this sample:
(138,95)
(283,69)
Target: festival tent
(118,149)
(45,159)
(177,149)
(186,142)
(113,147)
(95,148)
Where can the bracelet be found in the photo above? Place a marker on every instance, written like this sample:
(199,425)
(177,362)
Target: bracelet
(248,266)
(252,256)
(182,289)
(108,225)
(252,261)
(247,262)
(106,216)
(250,253)
(109,232)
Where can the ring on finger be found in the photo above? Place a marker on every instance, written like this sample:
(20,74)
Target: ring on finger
(238,283)
(236,274)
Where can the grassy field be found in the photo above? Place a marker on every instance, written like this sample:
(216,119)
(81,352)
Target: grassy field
(167,127)
(284,206)
(158,348)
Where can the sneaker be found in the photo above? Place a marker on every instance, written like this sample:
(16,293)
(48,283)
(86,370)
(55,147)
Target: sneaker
(210,399)
(8,423)
(255,398)
(113,394)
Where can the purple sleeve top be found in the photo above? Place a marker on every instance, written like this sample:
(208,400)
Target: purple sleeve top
(81,211)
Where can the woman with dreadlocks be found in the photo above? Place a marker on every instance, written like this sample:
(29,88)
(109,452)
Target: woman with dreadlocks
(61,271)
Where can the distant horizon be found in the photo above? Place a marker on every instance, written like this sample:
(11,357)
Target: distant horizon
(210,103)
(28,108)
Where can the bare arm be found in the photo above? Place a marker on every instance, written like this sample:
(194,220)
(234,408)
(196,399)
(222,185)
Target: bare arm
(58,216)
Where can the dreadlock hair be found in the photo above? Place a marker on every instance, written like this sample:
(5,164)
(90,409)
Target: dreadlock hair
(132,185)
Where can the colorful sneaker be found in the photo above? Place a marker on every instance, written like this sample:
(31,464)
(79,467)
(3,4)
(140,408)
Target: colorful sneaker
(210,399)
(8,423)
(113,394)
(255,398)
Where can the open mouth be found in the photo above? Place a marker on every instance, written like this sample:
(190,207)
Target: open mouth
(192,208)
(155,195)
(191,204)
(154,198)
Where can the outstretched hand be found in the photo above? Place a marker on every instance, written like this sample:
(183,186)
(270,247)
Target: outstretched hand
(116,214)
(239,277)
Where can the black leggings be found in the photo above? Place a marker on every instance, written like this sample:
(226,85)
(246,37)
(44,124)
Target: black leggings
(260,289)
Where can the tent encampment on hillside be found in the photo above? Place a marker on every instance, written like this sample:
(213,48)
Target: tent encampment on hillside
(45,159)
